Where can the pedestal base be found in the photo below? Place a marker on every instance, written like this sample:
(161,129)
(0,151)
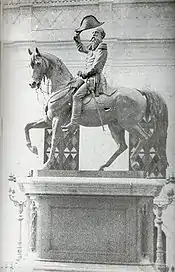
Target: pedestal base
(42,266)
(91,223)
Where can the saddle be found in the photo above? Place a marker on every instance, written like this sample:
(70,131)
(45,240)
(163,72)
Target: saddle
(103,90)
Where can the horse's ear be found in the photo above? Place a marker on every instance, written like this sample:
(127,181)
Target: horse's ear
(30,52)
(38,52)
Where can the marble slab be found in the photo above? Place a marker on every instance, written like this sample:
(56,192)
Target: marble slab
(88,185)
(45,266)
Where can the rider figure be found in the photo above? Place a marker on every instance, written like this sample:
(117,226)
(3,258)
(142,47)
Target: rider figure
(96,52)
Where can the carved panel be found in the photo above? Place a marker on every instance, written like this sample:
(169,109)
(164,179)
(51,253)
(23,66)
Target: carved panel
(67,151)
(122,20)
(139,20)
(33,226)
(11,16)
(63,2)
(144,231)
(59,18)
(91,222)
(148,158)
(93,229)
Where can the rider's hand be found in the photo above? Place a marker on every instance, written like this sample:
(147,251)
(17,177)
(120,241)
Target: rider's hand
(76,37)
(84,75)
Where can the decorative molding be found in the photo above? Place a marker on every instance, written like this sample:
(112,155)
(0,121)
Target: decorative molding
(144,230)
(67,150)
(128,53)
(47,266)
(159,206)
(41,3)
(46,3)
(59,22)
(60,19)
(71,43)
(33,226)
(89,185)
(20,204)
(141,2)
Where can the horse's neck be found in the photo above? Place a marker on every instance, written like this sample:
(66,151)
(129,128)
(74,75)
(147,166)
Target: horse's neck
(60,77)
(58,83)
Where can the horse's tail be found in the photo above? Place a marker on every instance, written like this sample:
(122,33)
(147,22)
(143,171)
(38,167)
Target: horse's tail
(158,111)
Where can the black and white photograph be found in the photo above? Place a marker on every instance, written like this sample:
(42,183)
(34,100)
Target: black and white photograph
(87,123)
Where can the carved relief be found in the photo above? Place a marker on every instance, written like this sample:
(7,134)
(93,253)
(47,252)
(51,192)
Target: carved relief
(59,18)
(63,2)
(148,158)
(11,16)
(123,20)
(144,231)
(33,226)
(156,20)
(67,151)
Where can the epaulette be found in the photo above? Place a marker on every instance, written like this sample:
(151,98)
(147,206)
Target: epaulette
(102,46)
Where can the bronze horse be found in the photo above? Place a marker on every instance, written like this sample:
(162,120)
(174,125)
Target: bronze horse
(120,108)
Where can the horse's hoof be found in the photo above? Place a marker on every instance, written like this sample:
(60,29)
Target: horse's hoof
(101,168)
(47,166)
(135,166)
(34,150)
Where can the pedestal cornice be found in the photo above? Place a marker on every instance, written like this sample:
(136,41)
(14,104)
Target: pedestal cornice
(91,185)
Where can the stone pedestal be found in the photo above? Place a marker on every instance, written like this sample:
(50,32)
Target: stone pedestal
(88,223)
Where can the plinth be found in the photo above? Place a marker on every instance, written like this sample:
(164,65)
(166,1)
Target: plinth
(89,221)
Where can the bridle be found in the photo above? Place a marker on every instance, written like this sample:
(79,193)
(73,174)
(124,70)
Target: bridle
(45,66)
(39,88)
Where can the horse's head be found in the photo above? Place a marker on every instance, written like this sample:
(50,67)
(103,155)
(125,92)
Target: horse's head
(40,66)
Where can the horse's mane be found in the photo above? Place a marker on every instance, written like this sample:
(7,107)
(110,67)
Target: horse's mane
(58,64)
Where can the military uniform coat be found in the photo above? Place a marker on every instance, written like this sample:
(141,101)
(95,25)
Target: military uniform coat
(95,62)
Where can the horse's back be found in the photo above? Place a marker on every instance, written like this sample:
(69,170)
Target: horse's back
(131,106)
(125,105)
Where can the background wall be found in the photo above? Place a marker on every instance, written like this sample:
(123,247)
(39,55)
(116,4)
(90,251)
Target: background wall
(141,43)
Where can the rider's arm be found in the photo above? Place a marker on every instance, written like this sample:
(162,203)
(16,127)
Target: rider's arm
(100,60)
(80,46)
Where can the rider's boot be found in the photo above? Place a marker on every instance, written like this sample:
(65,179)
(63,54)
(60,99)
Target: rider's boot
(76,113)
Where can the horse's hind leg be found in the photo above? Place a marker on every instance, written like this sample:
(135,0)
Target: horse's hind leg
(143,138)
(118,134)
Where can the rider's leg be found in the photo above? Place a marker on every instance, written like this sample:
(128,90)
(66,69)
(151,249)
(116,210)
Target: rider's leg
(77,103)
(77,106)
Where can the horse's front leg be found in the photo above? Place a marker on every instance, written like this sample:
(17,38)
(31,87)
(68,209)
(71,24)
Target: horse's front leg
(38,124)
(56,134)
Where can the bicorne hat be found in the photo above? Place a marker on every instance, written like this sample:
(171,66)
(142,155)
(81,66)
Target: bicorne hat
(88,22)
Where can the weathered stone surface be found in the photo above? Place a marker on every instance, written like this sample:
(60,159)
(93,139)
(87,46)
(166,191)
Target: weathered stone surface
(93,174)
(47,20)
(79,267)
(93,221)
(91,185)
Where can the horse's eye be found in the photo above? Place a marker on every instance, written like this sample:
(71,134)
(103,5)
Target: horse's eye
(38,63)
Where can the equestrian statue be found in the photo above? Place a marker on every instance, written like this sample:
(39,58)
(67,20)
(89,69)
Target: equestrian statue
(89,101)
